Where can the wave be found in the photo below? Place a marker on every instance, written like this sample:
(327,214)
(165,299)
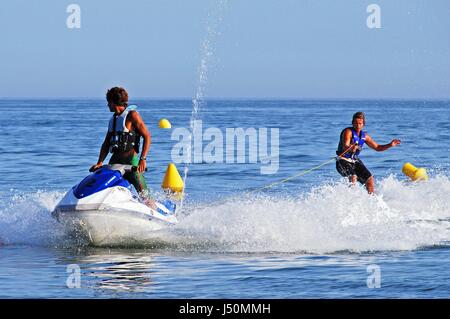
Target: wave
(25,219)
(329,218)
(332,217)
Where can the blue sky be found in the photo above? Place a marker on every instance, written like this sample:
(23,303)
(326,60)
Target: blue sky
(266,48)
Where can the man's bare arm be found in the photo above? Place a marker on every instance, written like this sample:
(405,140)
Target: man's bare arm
(103,153)
(104,149)
(380,148)
(347,138)
(141,128)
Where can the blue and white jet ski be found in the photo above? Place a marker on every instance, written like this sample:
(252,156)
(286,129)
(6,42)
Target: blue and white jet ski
(108,210)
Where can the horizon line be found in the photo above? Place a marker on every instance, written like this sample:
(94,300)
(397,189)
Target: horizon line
(236,98)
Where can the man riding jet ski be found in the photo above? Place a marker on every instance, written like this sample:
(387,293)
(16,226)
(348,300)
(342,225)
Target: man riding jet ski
(104,204)
(106,209)
(123,140)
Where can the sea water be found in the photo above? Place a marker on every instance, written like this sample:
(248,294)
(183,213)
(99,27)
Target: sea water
(313,236)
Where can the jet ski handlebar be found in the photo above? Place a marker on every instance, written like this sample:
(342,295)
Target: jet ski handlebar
(122,168)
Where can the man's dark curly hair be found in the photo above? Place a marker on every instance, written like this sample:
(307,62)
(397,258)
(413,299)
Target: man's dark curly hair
(118,96)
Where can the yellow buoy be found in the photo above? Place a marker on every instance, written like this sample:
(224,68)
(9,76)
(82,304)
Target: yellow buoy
(172,180)
(164,123)
(416,174)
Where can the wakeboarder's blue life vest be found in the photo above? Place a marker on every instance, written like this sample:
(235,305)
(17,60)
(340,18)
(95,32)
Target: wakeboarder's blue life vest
(356,139)
(122,140)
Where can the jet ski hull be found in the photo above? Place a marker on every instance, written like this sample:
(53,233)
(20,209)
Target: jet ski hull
(112,227)
(113,216)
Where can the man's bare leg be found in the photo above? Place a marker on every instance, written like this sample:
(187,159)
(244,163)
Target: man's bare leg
(145,197)
(370,185)
(150,203)
(353,179)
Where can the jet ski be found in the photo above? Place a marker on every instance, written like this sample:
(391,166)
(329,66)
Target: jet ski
(105,209)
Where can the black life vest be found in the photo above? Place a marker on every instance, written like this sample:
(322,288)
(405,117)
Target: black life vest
(122,140)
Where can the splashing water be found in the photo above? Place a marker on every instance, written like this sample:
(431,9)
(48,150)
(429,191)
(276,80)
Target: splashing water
(329,218)
(207,51)
(26,219)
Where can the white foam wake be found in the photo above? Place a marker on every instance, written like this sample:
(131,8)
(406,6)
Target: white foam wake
(26,219)
(329,218)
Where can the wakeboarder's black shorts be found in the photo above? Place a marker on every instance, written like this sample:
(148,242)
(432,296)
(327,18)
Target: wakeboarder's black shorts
(347,169)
